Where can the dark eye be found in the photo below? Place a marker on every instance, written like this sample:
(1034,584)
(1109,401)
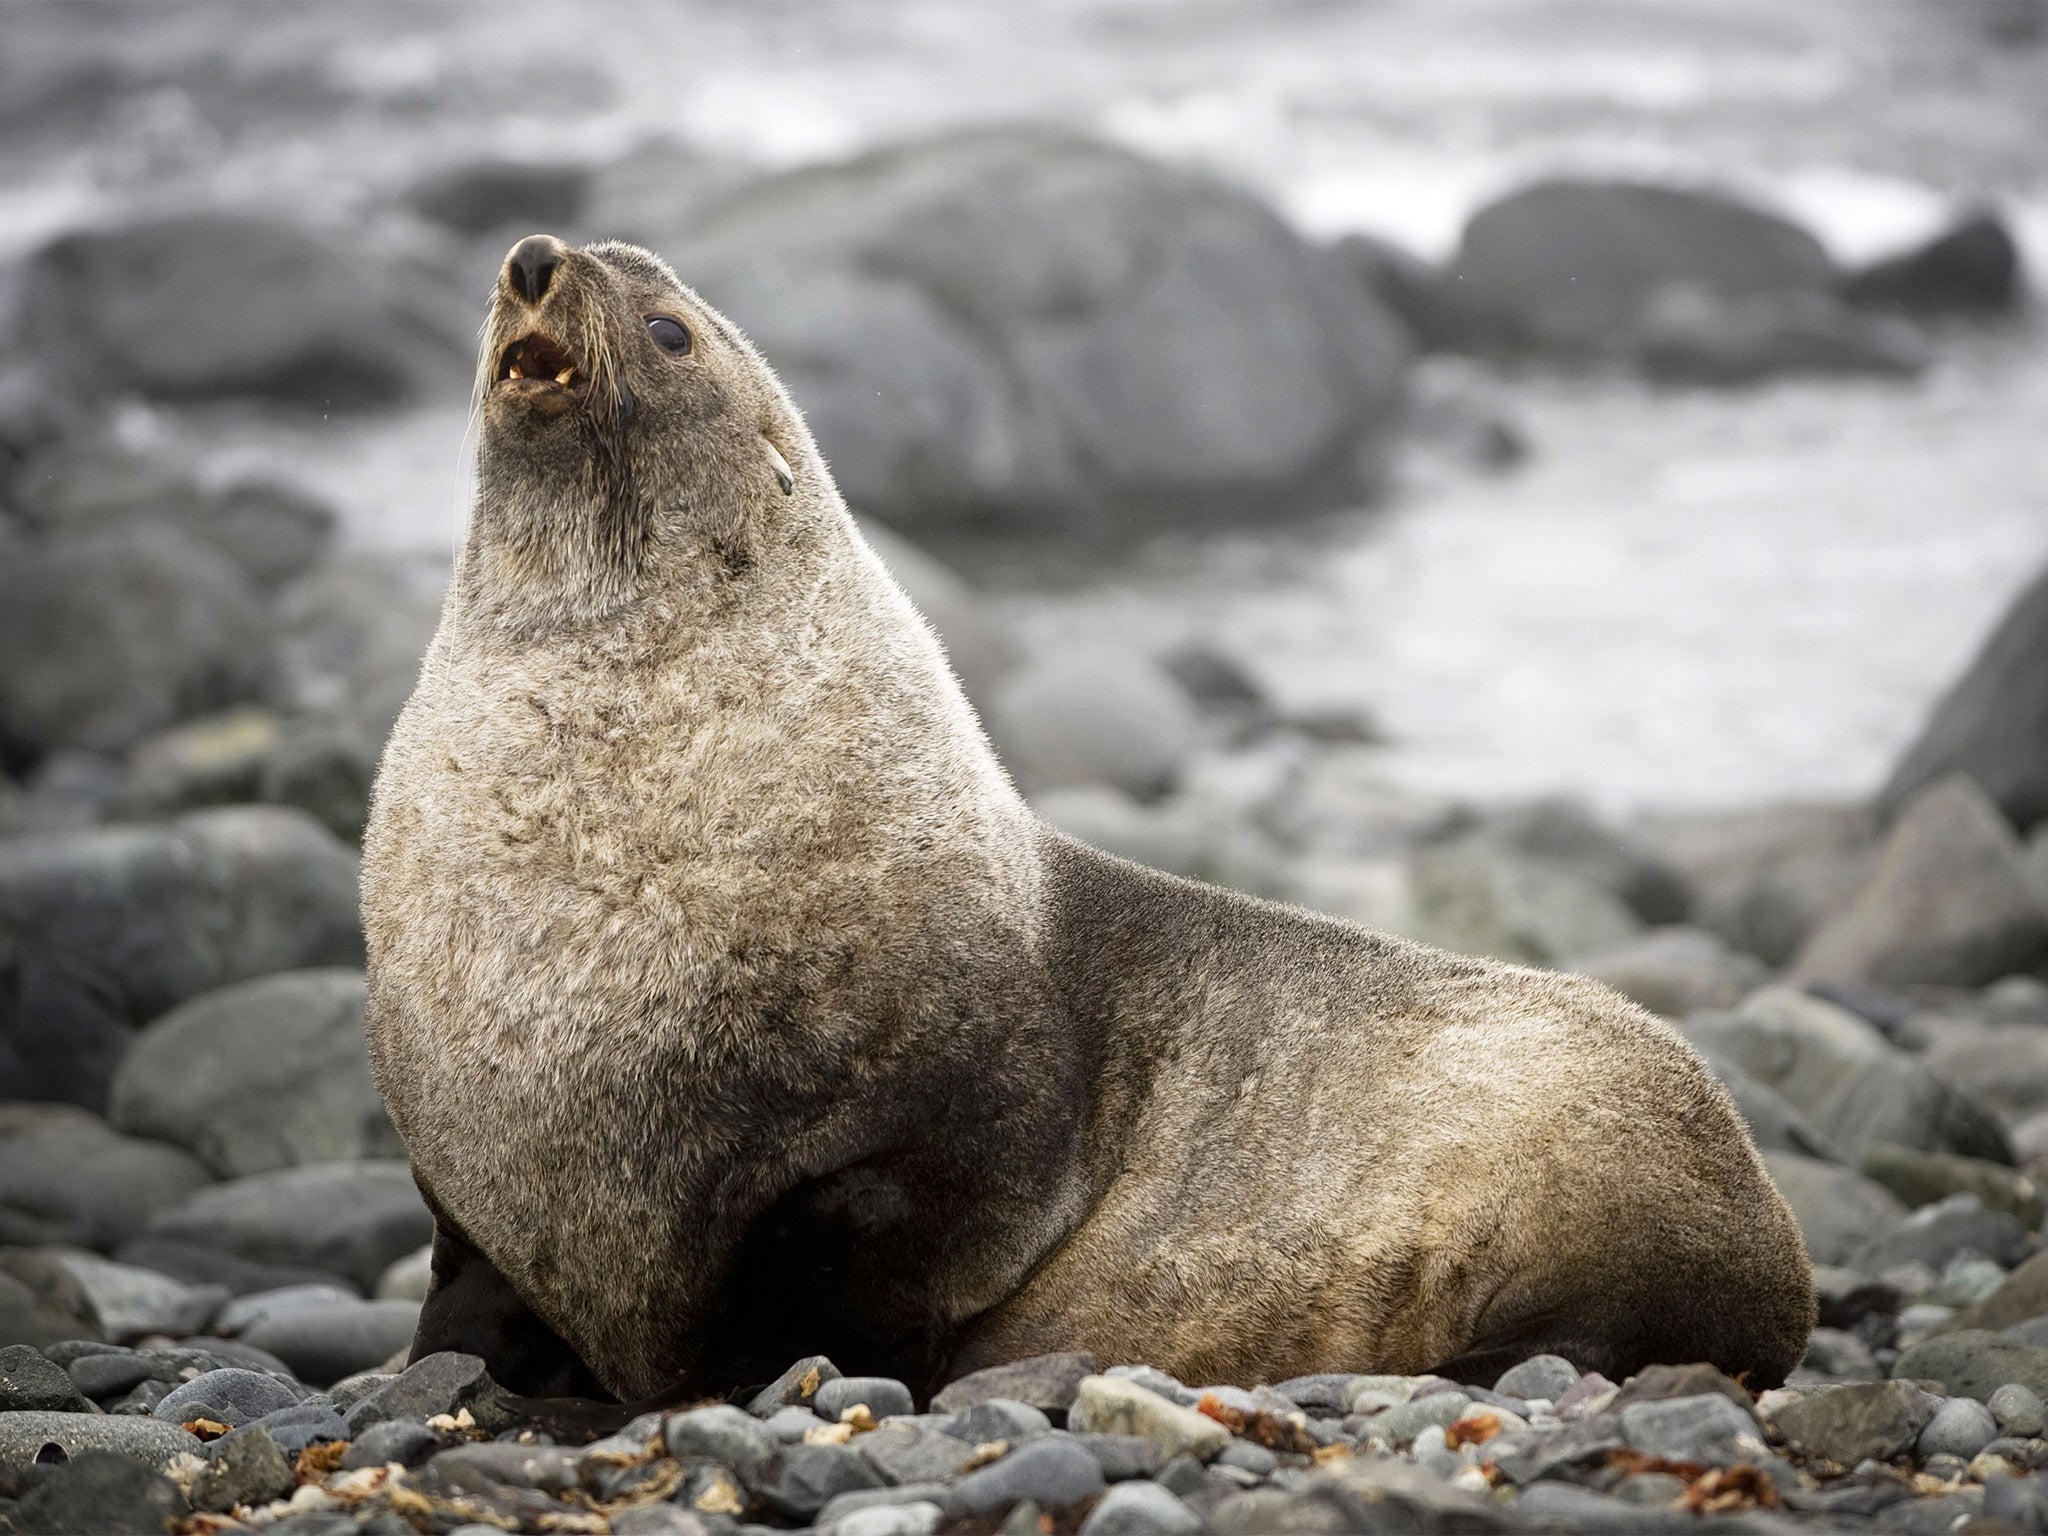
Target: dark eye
(671,335)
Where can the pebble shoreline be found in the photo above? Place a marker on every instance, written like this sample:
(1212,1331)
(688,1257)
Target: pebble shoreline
(193,1439)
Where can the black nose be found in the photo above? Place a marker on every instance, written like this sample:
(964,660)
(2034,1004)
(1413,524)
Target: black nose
(532,264)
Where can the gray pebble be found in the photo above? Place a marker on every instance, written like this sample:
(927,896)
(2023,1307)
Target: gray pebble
(882,1395)
(248,1468)
(1706,1428)
(111,1374)
(29,1381)
(2019,1410)
(804,1478)
(1122,1457)
(1155,1381)
(23,1436)
(392,1440)
(1960,1427)
(1053,1472)
(1544,1376)
(443,1382)
(297,1427)
(141,1398)
(1140,1509)
(724,1434)
(997,1418)
(869,1498)
(794,1386)
(1247,1457)
(231,1397)
(1398,1426)
(919,1518)
(790,1425)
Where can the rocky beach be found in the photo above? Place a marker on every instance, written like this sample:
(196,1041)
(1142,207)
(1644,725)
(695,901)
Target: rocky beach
(1623,556)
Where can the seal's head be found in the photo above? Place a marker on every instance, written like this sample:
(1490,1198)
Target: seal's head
(621,418)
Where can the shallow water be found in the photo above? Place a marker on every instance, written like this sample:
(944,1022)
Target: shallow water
(1683,598)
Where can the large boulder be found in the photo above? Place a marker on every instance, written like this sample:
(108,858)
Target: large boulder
(1025,326)
(272,530)
(1093,715)
(108,637)
(208,304)
(1972,268)
(68,1177)
(104,929)
(1568,265)
(351,635)
(260,1075)
(1765,875)
(1853,1088)
(1948,903)
(1483,895)
(1992,723)
(353,1217)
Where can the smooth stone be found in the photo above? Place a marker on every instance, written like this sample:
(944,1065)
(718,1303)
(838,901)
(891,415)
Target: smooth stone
(804,1478)
(1398,1426)
(641,1520)
(724,1434)
(260,1075)
(132,1302)
(545,1468)
(23,1435)
(1837,1353)
(1122,1457)
(1540,1376)
(68,1177)
(1153,1380)
(443,1382)
(1107,1405)
(1973,1363)
(245,1312)
(903,1494)
(1140,1509)
(790,1425)
(247,1468)
(198,1264)
(29,1381)
(352,1217)
(293,1428)
(1868,1421)
(110,1374)
(881,1395)
(42,1303)
(1053,1473)
(795,1387)
(919,1518)
(1992,720)
(115,925)
(407,1279)
(1327,1393)
(905,1452)
(328,1343)
(1936,1234)
(1948,903)
(1960,1427)
(391,1440)
(228,1397)
(2018,1410)
(1047,1382)
(99,1492)
(1921,1178)
(1247,1457)
(1093,715)
(1649,1490)
(996,1418)
(1707,1429)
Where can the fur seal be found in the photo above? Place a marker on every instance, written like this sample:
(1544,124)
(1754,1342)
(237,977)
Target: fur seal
(734,1007)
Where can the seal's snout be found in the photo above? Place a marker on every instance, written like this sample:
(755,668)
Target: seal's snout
(531,266)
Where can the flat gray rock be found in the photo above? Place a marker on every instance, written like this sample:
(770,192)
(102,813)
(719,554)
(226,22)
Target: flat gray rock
(23,1436)
(260,1075)
(352,1218)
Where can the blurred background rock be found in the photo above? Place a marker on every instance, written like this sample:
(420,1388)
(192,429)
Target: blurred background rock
(1559,480)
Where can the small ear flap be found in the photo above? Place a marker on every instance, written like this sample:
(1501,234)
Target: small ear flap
(784,475)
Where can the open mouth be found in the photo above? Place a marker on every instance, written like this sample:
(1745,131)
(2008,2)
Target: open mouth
(539,361)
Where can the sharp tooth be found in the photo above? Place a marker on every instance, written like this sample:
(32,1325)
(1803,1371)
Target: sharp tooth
(565,375)
(516,373)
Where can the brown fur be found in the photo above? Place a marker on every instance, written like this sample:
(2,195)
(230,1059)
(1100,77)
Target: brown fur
(733,1006)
